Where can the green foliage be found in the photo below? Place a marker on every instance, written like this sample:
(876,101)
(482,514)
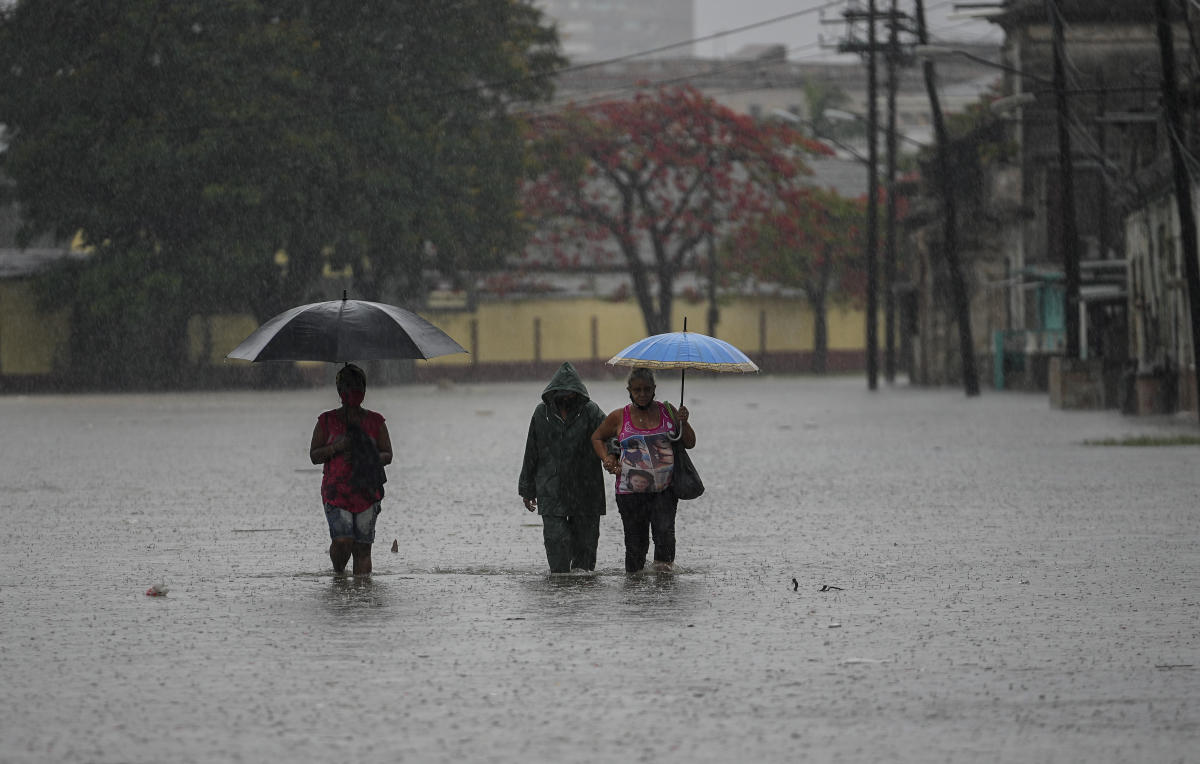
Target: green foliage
(981,131)
(823,96)
(129,329)
(214,135)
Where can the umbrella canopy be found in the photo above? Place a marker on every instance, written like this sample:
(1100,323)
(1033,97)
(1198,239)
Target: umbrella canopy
(684,350)
(345,330)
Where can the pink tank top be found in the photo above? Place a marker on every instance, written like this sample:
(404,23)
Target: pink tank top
(646,455)
(335,482)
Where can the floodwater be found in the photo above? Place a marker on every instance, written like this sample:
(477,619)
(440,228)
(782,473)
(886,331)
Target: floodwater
(1005,592)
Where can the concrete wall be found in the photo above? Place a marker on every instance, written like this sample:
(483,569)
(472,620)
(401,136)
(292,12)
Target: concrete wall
(31,343)
(1160,322)
(513,338)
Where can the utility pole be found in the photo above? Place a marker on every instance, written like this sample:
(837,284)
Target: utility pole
(892,58)
(872,203)
(958,285)
(872,250)
(1068,235)
(1183,187)
(873,182)
(889,254)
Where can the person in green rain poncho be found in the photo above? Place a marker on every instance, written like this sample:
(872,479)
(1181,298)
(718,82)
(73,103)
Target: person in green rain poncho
(561,477)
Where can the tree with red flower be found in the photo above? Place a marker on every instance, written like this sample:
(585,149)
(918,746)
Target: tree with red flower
(646,182)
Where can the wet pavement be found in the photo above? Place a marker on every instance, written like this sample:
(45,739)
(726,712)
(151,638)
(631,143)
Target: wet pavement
(1003,591)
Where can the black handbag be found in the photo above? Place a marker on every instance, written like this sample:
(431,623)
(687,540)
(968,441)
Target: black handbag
(685,480)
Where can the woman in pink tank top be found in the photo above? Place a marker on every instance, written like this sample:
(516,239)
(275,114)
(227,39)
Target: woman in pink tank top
(353,444)
(643,470)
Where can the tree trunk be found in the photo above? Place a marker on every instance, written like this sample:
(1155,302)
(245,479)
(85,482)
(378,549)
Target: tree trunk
(818,292)
(666,302)
(958,284)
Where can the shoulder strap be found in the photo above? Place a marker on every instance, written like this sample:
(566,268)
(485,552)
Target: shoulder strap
(676,431)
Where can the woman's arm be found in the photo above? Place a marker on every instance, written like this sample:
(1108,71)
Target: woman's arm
(689,435)
(321,453)
(384,444)
(607,429)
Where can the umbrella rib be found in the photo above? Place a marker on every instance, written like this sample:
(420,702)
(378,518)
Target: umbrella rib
(684,350)
(337,343)
(341,331)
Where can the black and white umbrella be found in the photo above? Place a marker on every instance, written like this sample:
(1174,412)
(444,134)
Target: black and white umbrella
(340,331)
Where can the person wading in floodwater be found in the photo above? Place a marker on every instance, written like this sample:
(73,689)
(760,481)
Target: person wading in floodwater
(644,496)
(354,445)
(560,476)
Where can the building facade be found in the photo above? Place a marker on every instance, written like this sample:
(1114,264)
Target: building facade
(597,30)
(1015,240)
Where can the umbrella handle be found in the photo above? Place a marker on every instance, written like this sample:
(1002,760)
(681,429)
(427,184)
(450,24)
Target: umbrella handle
(682,372)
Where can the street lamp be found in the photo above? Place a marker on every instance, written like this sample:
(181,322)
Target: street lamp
(788,116)
(942,52)
(1007,104)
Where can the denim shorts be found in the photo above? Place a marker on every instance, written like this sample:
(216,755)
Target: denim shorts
(360,525)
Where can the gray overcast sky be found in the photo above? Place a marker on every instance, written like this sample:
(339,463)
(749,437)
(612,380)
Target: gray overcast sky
(799,34)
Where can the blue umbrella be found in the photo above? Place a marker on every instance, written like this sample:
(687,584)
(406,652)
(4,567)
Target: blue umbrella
(684,350)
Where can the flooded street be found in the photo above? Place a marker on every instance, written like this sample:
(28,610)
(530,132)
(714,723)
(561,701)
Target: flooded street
(1004,592)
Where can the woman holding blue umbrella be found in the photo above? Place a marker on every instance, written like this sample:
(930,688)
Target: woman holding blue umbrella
(644,496)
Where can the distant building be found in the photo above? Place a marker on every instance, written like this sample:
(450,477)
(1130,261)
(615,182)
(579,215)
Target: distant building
(761,82)
(595,30)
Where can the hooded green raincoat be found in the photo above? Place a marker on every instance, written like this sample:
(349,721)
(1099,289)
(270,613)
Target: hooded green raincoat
(560,469)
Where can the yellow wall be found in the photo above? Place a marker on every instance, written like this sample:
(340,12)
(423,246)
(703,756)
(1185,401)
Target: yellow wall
(30,342)
(788,325)
(505,330)
(227,333)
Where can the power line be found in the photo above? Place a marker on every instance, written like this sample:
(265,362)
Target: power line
(604,92)
(483,87)
(715,35)
(549,75)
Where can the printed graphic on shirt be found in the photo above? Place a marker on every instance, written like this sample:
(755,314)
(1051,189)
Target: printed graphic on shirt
(646,463)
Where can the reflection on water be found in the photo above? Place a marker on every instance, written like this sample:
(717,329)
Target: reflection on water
(650,583)
(345,594)
(585,600)
(461,647)
(572,582)
(651,595)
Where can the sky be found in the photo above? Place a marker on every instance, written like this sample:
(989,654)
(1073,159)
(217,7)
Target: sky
(801,33)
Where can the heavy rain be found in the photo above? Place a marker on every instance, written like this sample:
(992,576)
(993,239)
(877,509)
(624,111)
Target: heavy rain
(994,586)
(986,550)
